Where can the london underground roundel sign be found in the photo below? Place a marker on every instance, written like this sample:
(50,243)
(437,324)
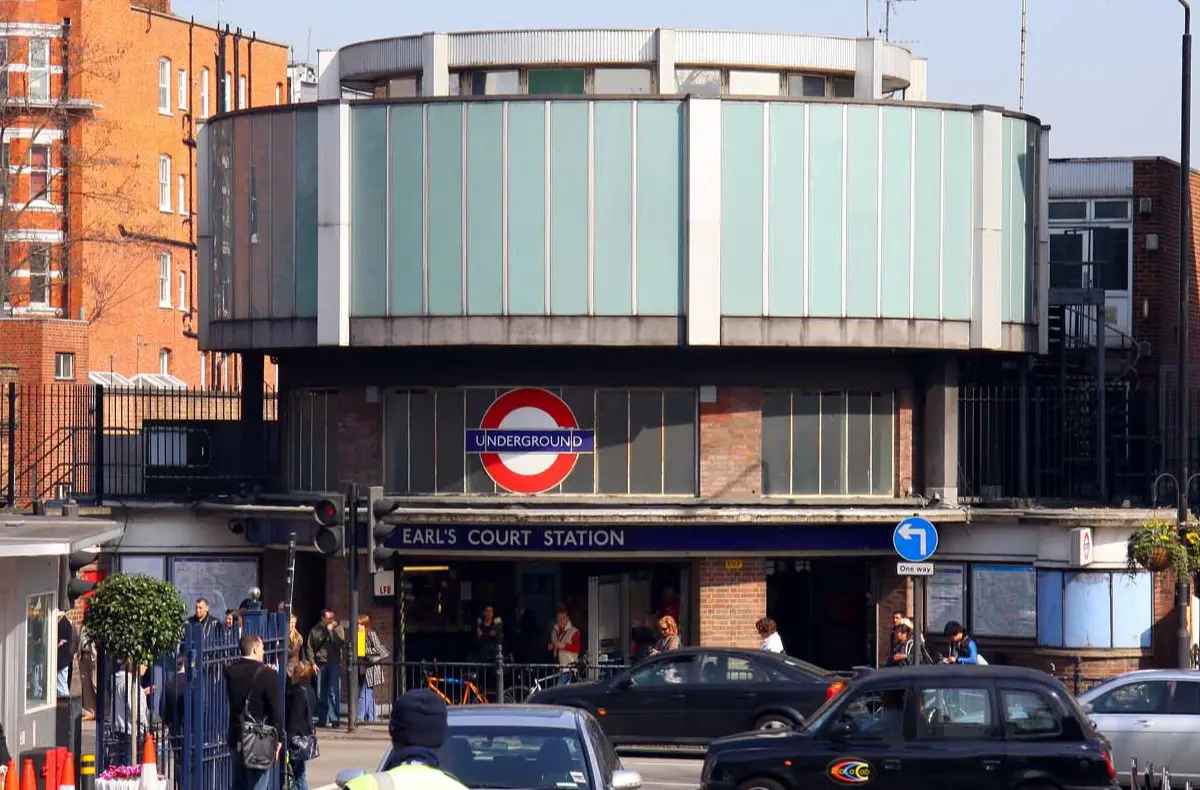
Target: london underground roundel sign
(529,440)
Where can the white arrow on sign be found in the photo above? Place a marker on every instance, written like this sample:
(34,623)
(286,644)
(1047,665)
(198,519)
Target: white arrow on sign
(908,531)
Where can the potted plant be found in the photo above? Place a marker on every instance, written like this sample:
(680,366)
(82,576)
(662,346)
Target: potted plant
(135,620)
(1160,545)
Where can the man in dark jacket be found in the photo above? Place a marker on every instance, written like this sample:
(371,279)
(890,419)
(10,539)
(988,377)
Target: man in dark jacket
(253,689)
(68,645)
(326,649)
(205,618)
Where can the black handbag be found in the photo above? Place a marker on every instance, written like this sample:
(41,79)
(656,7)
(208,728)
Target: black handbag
(260,741)
(303,748)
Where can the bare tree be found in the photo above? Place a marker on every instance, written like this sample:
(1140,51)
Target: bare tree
(66,172)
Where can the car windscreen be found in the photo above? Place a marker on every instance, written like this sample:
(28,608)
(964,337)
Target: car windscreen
(506,758)
(803,666)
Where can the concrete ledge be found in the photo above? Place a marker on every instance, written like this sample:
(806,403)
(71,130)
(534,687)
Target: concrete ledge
(517,331)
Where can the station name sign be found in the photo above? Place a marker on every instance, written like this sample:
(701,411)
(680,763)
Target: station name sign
(511,538)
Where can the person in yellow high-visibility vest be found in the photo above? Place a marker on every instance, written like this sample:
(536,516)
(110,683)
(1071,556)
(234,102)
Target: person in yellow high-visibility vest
(418,729)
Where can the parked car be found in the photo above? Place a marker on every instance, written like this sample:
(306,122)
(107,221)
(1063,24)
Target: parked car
(696,694)
(521,747)
(941,727)
(1152,716)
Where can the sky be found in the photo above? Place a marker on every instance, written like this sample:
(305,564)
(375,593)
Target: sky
(1104,74)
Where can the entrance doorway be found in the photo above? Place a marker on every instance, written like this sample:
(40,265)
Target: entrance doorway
(825,610)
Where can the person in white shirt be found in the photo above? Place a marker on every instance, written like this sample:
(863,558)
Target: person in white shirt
(769,633)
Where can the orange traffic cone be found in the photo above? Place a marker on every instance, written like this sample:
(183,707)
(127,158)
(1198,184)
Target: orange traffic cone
(10,776)
(28,777)
(66,781)
(149,778)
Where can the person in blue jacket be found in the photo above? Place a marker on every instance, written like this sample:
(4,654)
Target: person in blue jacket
(963,649)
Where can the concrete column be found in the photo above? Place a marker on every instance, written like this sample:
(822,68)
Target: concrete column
(918,80)
(664,38)
(940,429)
(253,366)
(988,171)
(704,221)
(868,69)
(435,65)
(333,225)
(329,75)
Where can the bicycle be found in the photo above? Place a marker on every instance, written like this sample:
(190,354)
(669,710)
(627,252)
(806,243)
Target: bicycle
(564,675)
(471,693)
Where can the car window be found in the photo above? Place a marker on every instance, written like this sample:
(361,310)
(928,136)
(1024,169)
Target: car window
(605,754)
(795,663)
(1140,696)
(878,713)
(955,713)
(730,669)
(516,757)
(666,672)
(1029,714)
(1186,699)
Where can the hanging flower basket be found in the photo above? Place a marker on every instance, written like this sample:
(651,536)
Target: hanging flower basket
(1159,560)
(1159,545)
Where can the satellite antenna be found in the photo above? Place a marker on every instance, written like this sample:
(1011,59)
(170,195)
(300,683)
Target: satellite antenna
(1024,37)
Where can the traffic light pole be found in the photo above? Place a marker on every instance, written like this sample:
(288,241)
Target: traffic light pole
(352,573)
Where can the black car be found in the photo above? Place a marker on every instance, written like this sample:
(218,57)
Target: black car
(937,727)
(696,694)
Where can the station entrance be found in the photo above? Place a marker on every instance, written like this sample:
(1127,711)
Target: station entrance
(825,609)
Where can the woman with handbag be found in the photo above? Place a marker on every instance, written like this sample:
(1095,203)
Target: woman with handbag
(301,708)
(371,672)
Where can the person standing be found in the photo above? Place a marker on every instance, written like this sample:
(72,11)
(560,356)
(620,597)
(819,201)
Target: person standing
(371,671)
(301,705)
(768,632)
(67,647)
(902,652)
(565,642)
(255,711)
(203,617)
(669,639)
(87,673)
(327,649)
(963,649)
(418,728)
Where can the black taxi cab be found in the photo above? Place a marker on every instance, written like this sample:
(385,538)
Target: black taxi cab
(927,728)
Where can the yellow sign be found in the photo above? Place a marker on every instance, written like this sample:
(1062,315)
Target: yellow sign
(362,642)
(733,565)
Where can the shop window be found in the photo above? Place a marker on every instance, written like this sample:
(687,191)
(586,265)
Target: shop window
(645,441)
(550,82)
(39,636)
(1004,601)
(827,443)
(702,82)
(1094,609)
(945,597)
(621,81)
(1068,210)
(311,438)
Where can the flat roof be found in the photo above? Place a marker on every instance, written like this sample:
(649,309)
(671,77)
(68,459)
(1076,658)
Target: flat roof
(50,536)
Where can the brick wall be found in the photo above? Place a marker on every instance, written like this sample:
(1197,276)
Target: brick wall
(359,438)
(730,600)
(30,345)
(904,475)
(895,595)
(731,444)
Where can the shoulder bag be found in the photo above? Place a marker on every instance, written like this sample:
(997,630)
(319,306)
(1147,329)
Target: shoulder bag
(259,741)
(302,748)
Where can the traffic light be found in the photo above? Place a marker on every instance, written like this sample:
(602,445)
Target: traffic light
(378,530)
(71,587)
(330,515)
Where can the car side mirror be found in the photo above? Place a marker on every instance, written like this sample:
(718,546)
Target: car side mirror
(1086,707)
(346,775)
(626,780)
(840,730)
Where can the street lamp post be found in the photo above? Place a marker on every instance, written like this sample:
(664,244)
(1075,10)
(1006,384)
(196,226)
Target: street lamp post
(1182,592)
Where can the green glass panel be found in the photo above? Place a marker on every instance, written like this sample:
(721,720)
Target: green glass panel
(927,275)
(545,82)
(958,234)
(368,211)
(304,176)
(1007,179)
(612,257)
(785,226)
(526,208)
(862,210)
(659,207)
(569,208)
(485,208)
(897,211)
(742,208)
(408,204)
(825,173)
(445,209)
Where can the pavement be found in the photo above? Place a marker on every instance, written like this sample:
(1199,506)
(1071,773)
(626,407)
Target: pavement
(364,749)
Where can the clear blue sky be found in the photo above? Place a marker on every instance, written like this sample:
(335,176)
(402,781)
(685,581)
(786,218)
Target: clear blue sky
(1103,73)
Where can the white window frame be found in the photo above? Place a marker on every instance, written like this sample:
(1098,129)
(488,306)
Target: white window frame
(242,92)
(164,362)
(164,86)
(164,183)
(64,366)
(203,94)
(40,267)
(164,280)
(181,195)
(203,370)
(278,93)
(38,69)
(228,91)
(183,292)
(182,98)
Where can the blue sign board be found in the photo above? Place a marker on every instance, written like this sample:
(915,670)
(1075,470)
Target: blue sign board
(915,539)
(567,440)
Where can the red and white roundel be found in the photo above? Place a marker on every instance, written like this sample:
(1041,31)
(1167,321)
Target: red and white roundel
(544,434)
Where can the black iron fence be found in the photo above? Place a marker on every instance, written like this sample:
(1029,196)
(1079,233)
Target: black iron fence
(89,443)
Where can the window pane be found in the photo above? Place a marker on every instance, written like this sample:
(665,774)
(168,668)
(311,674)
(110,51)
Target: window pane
(858,441)
(1066,251)
(703,82)
(402,88)
(1088,610)
(679,443)
(944,598)
(806,443)
(39,620)
(806,85)
(776,443)
(450,430)
(1132,609)
(421,443)
(875,714)
(1140,696)
(143,565)
(1186,700)
(645,442)
(612,437)
(491,83)
(395,437)
(1004,600)
(1028,714)
(582,479)
(883,443)
(954,714)
(1110,252)
(1050,611)
(754,83)
(478,481)
(833,443)
(556,81)
(621,81)
(668,672)
(843,87)
(1111,209)
(1073,209)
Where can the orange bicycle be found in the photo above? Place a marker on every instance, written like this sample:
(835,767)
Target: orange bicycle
(471,693)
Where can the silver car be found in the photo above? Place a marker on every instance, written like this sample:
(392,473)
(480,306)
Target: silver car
(526,747)
(1152,716)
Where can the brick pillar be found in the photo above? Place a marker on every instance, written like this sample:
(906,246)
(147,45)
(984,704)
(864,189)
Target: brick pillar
(731,444)
(895,595)
(730,601)
(904,443)
(359,437)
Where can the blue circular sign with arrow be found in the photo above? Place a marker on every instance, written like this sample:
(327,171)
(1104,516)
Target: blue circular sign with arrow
(915,539)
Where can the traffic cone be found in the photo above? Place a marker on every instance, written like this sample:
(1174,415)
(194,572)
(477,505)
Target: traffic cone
(10,776)
(28,777)
(149,778)
(66,781)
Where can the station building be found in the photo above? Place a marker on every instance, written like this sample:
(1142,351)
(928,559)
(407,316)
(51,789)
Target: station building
(751,276)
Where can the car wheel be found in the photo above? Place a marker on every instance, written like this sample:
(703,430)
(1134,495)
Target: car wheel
(761,783)
(774,721)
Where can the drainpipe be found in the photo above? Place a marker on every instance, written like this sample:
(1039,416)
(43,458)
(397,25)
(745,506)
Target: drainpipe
(250,68)
(221,60)
(64,178)
(194,184)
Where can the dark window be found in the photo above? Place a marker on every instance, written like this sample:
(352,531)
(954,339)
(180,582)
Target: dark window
(843,87)
(1066,255)
(311,440)
(1110,254)
(874,714)
(1072,209)
(806,85)
(827,443)
(1139,697)
(1186,699)
(1029,714)
(4,67)
(955,713)
(39,275)
(731,669)
(5,163)
(547,82)
(39,172)
(667,672)
(1111,209)
(645,441)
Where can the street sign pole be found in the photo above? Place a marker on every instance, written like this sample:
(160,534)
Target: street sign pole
(918,631)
